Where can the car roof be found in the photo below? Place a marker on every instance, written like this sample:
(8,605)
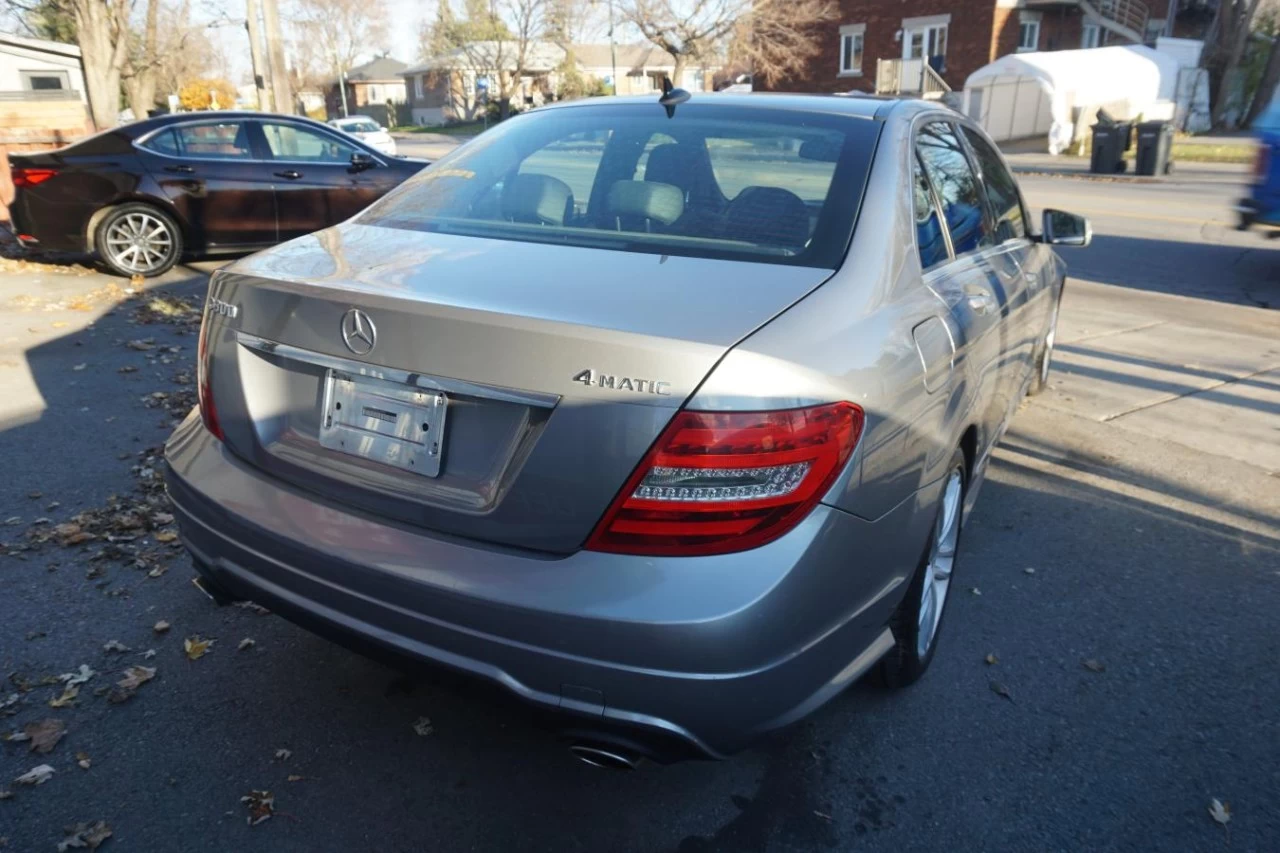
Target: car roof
(146,125)
(853,104)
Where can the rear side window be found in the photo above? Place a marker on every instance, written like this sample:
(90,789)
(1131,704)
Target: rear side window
(220,141)
(291,142)
(956,184)
(758,184)
(1002,191)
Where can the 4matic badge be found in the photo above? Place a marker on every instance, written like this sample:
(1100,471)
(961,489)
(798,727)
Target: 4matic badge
(623,383)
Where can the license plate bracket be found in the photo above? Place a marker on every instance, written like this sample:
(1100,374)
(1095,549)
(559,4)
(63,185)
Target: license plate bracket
(385,422)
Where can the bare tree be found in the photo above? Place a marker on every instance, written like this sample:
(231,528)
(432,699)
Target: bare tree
(1232,26)
(1269,25)
(779,37)
(141,66)
(344,30)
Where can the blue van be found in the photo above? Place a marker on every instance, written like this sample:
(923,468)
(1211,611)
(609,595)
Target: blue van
(1262,207)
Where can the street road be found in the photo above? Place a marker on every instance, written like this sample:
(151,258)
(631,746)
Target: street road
(1131,520)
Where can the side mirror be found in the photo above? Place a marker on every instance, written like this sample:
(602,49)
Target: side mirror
(1060,228)
(361,161)
(382,127)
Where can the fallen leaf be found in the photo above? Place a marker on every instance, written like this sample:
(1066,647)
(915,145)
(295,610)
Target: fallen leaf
(80,676)
(283,754)
(45,734)
(85,836)
(166,536)
(253,606)
(142,345)
(261,806)
(82,759)
(35,496)
(246,643)
(80,366)
(134,677)
(148,654)
(37,775)
(66,698)
(822,815)
(114,646)
(422,726)
(35,635)
(975,590)
(1028,570)
(1000,690)
(128,368)
(16,737)
(992,660)
(195,647)
(1220,811)
(52,505)
(1093,665)
(5,794)
(160,627)
(13,520)
(292,778)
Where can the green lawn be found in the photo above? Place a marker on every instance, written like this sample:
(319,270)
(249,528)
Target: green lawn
(1231,152)
(470,128)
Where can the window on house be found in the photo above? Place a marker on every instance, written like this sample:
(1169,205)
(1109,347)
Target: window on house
(1089,35)
(851,42)
(1155,29)
(417,86)
(375,95)
(39,81)
(1028,31)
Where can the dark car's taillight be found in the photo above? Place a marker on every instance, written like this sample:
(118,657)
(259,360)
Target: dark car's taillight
(30,176)
(716,482)
(204,387)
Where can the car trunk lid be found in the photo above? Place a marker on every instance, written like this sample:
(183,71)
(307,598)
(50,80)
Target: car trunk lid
(552,370)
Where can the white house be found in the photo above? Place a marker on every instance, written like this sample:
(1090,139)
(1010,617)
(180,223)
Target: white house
(45,69)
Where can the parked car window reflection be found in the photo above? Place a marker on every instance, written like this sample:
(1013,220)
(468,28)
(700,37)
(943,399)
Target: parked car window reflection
(929,238)
(1001,190)
(954,180)
(221,141)
(291,142)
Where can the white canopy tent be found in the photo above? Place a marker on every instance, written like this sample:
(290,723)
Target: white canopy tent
(1029,94)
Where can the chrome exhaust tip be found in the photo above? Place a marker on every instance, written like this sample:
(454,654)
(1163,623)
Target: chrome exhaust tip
(608,757)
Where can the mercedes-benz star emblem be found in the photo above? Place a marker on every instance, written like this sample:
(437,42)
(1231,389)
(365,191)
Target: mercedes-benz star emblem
(358,332)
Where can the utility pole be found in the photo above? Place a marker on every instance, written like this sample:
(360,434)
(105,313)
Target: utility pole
(613,49)
(255,55)
(275,57)
(342,89)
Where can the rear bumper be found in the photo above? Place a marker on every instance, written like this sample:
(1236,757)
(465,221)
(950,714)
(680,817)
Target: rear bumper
(672,656)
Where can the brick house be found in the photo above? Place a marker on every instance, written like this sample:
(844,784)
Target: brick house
(957,37)
(369,88)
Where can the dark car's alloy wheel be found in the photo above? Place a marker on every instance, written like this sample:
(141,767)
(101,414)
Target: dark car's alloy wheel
(915,625)
(137,239)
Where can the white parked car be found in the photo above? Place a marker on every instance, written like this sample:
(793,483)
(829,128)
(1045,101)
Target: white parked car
(368,131)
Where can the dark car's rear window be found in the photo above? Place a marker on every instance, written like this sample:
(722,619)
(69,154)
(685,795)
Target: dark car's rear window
(762,184)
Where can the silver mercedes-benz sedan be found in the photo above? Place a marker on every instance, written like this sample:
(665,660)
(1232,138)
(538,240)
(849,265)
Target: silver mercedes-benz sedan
(664,417)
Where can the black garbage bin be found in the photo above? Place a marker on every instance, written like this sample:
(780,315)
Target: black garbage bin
(1109,143)
(1155,141)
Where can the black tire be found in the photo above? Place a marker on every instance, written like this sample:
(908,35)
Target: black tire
(155,253)
(904,664)
(1044,355)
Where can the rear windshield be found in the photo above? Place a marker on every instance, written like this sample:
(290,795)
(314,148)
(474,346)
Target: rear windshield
(760,184)
(366,126)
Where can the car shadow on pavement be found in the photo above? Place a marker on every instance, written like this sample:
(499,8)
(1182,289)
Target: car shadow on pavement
(1246,275)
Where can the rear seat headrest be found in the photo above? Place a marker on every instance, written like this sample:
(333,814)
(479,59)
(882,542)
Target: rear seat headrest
(662,203)
(538,199)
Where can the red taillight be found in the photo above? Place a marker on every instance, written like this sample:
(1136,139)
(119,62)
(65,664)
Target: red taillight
(1261,163)
(716,482)
(29,176)
(204,388)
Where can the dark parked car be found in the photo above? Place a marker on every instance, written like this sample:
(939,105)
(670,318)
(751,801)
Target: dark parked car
(197,184)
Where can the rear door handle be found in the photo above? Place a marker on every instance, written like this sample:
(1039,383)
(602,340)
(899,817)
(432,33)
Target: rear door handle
(181,169)
(291,174)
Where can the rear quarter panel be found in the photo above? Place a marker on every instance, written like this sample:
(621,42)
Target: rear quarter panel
(852,340)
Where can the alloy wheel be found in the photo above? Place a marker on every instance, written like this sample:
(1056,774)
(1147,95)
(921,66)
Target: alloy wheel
(139,242)
(942,557)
